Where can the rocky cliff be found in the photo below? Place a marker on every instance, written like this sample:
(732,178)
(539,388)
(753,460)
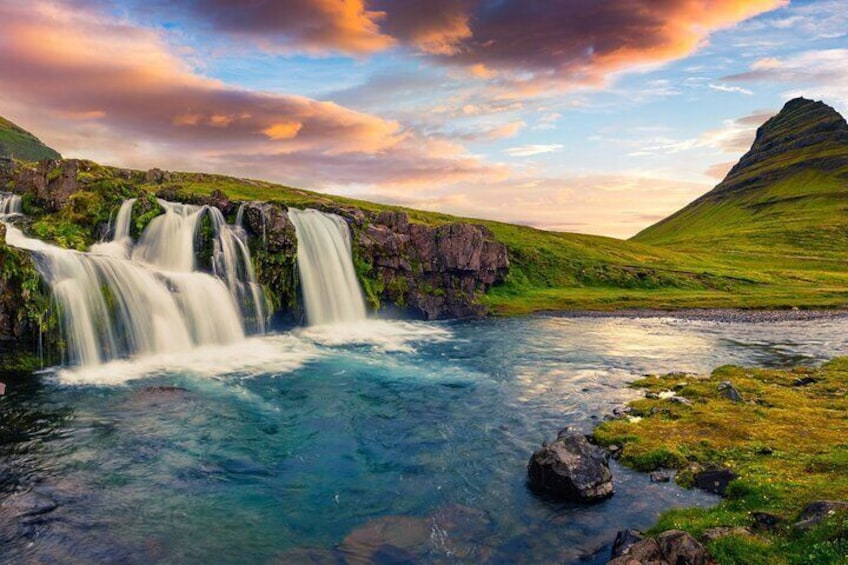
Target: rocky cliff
(431,272)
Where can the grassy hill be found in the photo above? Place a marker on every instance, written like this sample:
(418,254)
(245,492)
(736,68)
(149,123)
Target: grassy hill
(770,235)
(787,196)
(17,143)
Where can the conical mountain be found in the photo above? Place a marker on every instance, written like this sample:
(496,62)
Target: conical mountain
(788,194)
(17,143)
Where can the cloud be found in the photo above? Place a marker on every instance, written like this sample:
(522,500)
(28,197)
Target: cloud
(73,70)
(819,73)
(726,88)
(615,205)
(530,150)
(517,43)
(568,42)
(734,136)
(317,26)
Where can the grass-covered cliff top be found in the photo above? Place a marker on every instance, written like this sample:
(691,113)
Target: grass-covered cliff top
(549,270)
(787,439)
(771,235)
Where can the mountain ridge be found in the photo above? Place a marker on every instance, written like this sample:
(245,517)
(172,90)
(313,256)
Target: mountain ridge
(791,183)
(18,143)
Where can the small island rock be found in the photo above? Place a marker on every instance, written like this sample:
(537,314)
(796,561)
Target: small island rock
(571,468)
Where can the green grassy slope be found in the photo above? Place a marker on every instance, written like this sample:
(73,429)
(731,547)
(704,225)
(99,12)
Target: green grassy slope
(788,196)
(549,270)
(20,144)
(770,236)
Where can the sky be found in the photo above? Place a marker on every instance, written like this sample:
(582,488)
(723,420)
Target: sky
(592,116)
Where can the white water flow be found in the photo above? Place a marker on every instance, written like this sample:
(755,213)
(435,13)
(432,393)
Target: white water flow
(10,204)
(122,222)
(331,291)
(117,301)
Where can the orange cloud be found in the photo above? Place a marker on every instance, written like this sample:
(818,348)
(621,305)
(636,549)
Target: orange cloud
(58,62)
(319,26)
(557,42)
(283,130)
(68,61)
(566,42)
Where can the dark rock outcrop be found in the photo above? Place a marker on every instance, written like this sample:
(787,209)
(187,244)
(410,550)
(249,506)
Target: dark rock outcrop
(438,272)
(801,124)
(730,392)
(52,182)
(673,547)
(714,480)
(571,468)
(712,534)
(274,248)
(624,540)
(679,548)
(815,512)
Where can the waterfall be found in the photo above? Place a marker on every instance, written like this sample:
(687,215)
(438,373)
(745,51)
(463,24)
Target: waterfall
(120,300)
(122,222)
(10,204)
(331,291)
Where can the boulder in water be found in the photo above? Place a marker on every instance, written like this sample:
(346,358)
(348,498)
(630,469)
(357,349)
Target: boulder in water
(571,468)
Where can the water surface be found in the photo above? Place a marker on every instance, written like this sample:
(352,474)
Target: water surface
(378,442)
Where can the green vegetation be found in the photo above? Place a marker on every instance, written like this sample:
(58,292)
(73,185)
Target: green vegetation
(786,440)
(772,235)
(18,143)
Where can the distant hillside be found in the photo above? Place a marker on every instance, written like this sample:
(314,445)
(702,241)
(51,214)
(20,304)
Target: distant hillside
(19,144)
(771,235)
(787,195)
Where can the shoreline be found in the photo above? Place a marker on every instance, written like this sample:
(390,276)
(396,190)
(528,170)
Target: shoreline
(704,314)
(782,500)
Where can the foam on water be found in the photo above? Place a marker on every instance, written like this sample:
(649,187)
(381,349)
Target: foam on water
(275,354)
(383,335)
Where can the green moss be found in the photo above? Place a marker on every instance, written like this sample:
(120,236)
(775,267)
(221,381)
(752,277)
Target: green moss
(145,209)
(786,442)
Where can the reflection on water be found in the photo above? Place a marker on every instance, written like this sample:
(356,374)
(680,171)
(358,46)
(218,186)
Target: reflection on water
(385,442)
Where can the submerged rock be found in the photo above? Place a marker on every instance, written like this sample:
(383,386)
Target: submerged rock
(406,533)
(624,540)
(308,556)
(571,468)
(27,503)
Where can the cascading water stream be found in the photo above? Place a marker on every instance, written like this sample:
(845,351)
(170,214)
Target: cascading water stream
(118,300)
(331,291)
(10,204)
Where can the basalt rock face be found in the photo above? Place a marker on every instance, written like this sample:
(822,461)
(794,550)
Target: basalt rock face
(23,303)
(273,245)
(438,272)
(434,272)
(52,182)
